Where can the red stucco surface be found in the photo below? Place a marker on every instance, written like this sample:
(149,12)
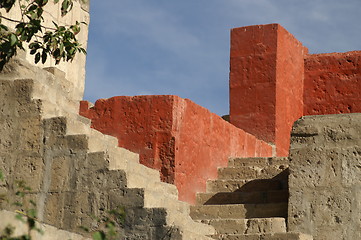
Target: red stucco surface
(332,83)
(266,82)
(252,80)
(289,87)
(183,140)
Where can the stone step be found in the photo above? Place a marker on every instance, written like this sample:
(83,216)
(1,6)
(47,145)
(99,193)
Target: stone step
(263,210)
(121,158)
(187,225)
(57,90)
(187,235)
(54,109)
(139,175)
(242,197)
(77,124)
(245,185)
(248,226)
(99,141)
(257,161)
(249,172)
(275,236)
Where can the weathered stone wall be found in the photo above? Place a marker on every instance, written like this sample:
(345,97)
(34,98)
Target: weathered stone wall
(325,177)
(183,140)
(75,70)
(69,184)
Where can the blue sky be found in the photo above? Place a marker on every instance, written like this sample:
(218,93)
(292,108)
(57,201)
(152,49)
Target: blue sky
(151,47)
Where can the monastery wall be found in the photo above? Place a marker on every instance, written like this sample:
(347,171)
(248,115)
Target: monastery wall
(274,81)
(181,139)
(332,83)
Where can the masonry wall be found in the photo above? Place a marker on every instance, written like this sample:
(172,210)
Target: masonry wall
(252,80)
(183,140)
(332,83)
(142,124)
(204,142)
(274,81)
(324,181)
(289,87)
(266,82)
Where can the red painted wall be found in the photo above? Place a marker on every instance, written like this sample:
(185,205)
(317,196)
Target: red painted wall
(142,124)
(183,140)
(204,142)
(266,82)
(332,83)
(252,80)
(289,87)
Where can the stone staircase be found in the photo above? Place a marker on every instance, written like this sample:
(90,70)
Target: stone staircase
(248,201)
(81,172)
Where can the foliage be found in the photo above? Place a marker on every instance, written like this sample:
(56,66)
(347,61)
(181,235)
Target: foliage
(27,216)
(58,42)
(108,229)
(109,225)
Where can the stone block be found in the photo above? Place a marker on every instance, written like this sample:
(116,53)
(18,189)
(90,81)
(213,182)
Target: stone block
(250,172)
(248,226)
(324,177)
(246,185)
(52,212)
(128,198)
(242,197)
(145,217)
(239,211)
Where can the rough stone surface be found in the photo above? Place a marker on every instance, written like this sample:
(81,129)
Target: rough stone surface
(76,176)
(48,232)
(247,201)
(181,139)
(325,176)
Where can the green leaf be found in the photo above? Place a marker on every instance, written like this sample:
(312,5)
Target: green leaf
(32,213)
(32,8)
(5,28)
(13,40)
(64,7)
(99,236)
(44,56)
(37,57)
